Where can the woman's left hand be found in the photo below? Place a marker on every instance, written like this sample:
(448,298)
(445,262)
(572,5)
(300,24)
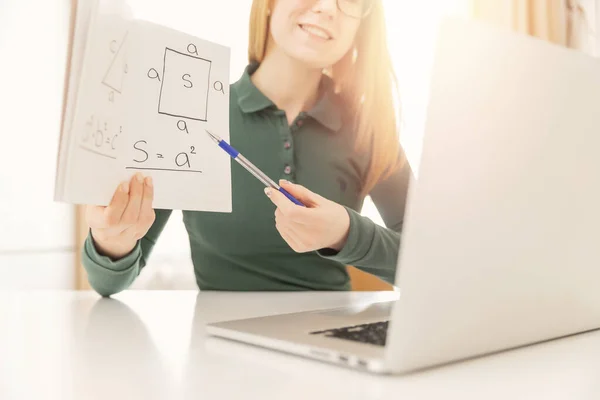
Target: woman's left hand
(321,224)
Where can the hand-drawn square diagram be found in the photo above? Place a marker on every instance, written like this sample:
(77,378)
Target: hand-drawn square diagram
(181,90)
(185,86)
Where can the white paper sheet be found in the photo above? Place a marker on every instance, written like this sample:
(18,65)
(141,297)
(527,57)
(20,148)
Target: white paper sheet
(94,167)
(80,20)
(145,97)
(180,88)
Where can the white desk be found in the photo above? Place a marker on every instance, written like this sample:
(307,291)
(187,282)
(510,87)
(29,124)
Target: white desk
(152,345)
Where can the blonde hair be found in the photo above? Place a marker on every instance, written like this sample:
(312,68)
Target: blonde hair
(364,78)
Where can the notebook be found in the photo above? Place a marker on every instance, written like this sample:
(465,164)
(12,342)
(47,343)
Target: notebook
(139,98)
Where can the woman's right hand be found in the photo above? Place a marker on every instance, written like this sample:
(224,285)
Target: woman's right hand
(116,228)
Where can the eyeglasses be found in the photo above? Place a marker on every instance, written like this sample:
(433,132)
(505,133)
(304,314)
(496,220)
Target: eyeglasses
(356,8)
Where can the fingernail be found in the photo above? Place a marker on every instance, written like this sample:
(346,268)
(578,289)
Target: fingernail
(268,191)
(149,181)
(139,177)
(125,187)
(284,181)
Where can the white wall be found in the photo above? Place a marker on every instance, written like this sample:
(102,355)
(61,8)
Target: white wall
(36,234)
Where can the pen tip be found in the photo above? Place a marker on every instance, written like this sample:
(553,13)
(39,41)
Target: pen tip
(213,137)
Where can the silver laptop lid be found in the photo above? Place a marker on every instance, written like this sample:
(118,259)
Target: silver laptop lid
(501,245)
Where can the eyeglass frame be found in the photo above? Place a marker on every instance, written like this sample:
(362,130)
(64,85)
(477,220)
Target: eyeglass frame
(364,15)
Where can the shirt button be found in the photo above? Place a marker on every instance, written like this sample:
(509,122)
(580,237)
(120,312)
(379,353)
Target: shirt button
(287,144)
(300,123)
(287,170)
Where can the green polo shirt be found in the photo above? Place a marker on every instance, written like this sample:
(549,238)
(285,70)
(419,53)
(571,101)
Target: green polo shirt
(243,250)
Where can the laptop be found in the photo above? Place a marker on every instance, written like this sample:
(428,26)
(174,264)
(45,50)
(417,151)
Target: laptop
(501,240)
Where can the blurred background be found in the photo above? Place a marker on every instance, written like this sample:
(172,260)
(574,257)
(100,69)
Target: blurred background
(40,239)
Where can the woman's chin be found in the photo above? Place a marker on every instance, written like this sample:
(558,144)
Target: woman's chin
(312,59)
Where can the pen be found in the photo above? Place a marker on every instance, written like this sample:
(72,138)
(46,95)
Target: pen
(253,169)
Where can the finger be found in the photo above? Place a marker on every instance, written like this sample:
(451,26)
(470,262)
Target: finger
(290,210)
(147,215)
(301,232)
(309,198)
(114,211)
(279,215)
(278,199)
(133,232)
(289,238)
(303,235)
(281,222)
(136,192)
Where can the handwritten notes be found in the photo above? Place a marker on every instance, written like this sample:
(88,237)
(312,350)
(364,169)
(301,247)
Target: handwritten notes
(146,94)
(176,81)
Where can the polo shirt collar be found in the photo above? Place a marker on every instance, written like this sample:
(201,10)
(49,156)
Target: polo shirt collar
(327,111)
(250,99)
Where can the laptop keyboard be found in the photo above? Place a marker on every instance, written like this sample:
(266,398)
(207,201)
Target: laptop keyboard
(373,333)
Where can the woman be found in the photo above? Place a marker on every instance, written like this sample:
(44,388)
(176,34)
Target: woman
(314,107)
